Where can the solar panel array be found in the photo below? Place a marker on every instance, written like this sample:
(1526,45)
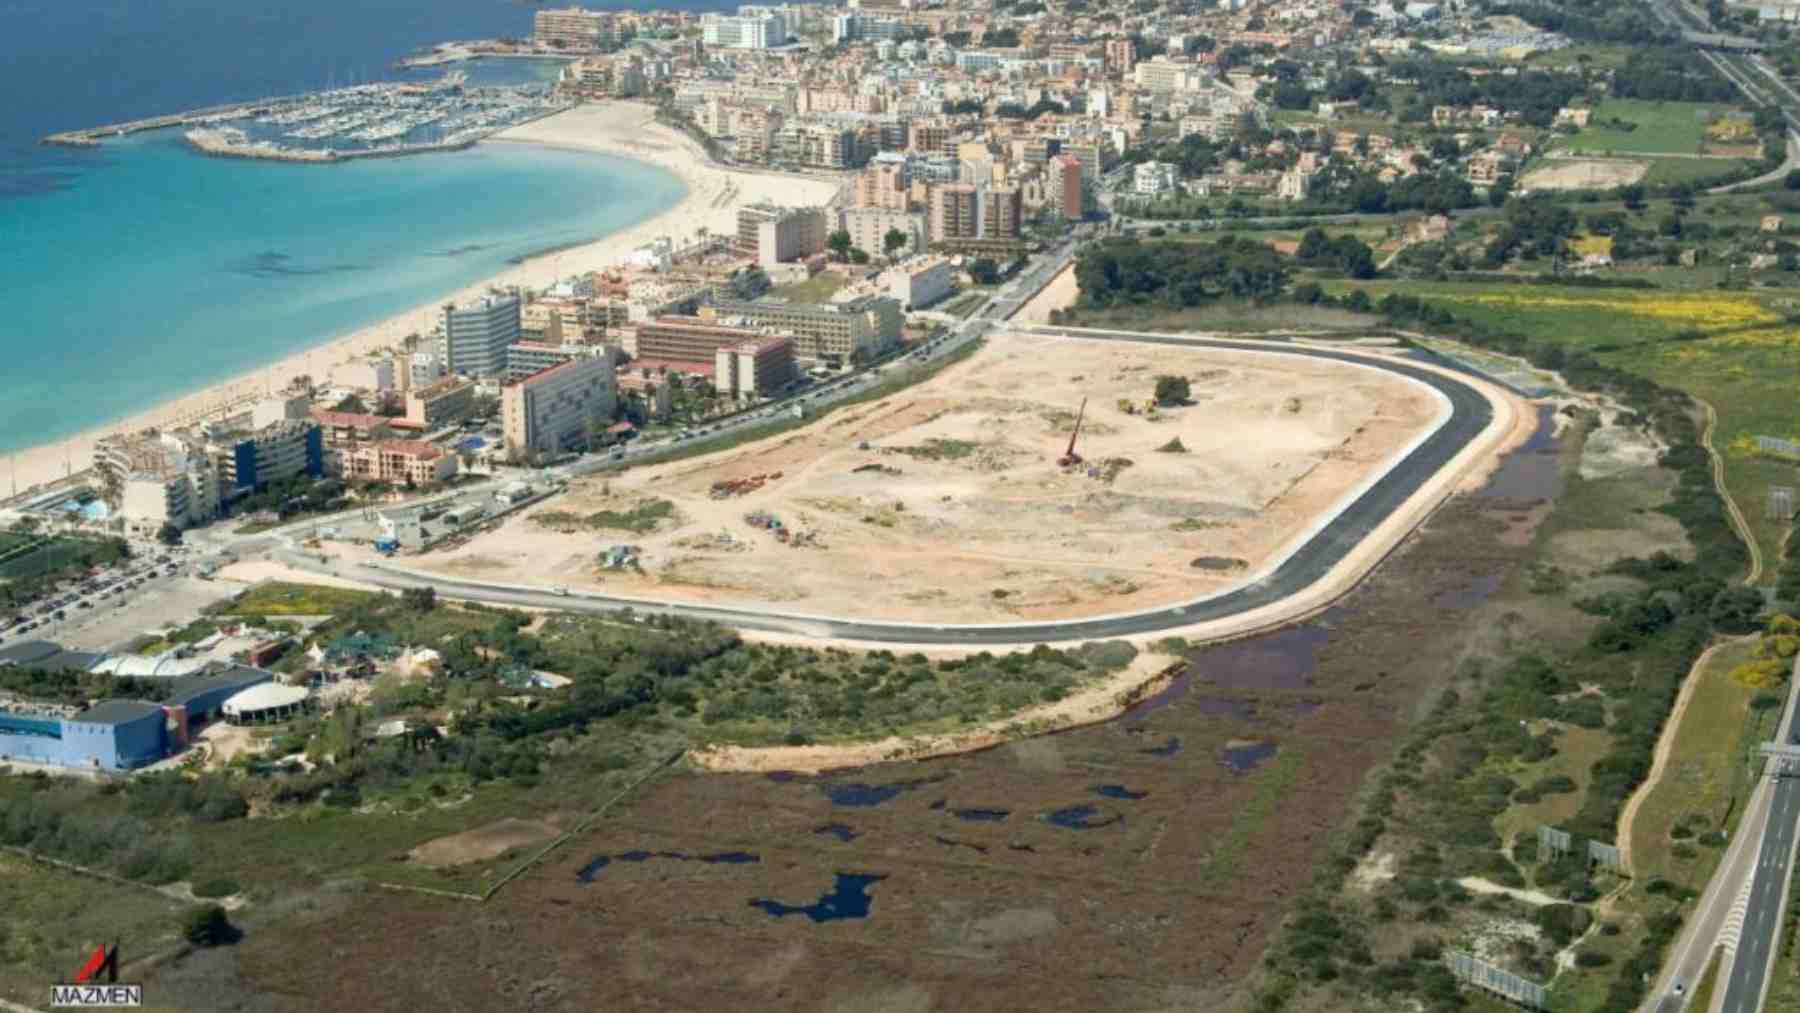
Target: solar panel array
(1781,502)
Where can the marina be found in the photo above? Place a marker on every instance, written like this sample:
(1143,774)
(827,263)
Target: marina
(363,121)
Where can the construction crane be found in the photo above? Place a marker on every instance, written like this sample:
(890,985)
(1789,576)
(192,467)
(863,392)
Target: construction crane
(1070,458)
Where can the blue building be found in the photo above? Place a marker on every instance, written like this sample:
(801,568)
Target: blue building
(111,735)
(114,734)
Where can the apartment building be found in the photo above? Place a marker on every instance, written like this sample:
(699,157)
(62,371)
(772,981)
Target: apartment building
(823,332)
(765,30)
(346,430)
(440,404)
(251,459)
(955,211)
(886,183)
(152,478)
(574,28)
(557,410)
(476,335)
(689,340)
(814,143)
(1002,213)
(919,282)
(754,369)
(401,462)
(868,228)
(776,235)
(1064,189)
(529,357)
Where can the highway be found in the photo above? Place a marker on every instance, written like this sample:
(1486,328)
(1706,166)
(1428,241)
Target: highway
(1470,413)
(1747,979)
(1761,852)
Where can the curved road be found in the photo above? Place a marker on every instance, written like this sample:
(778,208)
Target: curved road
(1470,415)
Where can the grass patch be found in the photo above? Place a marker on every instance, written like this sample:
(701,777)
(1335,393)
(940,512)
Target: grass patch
(1703,787)
(55,918)
(817,289)
(1669,171)
(1703,992)
(1662,128)
(281,598)
(1734,349)
(640,519)
(939,449)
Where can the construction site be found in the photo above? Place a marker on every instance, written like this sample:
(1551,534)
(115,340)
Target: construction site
(1042,478)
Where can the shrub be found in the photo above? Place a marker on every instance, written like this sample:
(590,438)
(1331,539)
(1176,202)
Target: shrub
(207,925)
(222,886)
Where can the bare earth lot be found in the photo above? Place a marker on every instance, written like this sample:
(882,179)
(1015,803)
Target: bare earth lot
(945,502)
(1583,174)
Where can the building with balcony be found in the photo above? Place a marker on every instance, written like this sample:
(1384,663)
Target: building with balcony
(476,335)
(440,404)
(754,369)
(557,411)
(401,462)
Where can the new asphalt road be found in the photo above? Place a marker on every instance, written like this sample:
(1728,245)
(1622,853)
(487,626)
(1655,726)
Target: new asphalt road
(1769,885)
(1469,416)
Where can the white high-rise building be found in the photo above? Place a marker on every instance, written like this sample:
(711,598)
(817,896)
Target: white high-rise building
(750,28)
(476,335)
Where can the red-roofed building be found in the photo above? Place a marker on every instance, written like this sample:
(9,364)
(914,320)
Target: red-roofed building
(345,430)
(400,461)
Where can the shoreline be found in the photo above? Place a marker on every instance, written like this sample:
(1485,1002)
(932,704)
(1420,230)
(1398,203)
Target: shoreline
(621,129)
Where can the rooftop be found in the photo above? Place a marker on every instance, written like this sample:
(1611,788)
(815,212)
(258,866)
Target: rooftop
(116,712)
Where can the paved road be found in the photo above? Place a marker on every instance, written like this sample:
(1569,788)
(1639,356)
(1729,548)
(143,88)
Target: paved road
(1749,972)
(1746,857)
(1470,414)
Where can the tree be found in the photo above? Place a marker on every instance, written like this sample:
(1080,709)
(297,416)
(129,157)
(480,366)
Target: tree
(894,241)
(984,271)
(419,599)
(168,534)
(1172,390)
(208,926)
(858,255)
(1734,609)
(839,244)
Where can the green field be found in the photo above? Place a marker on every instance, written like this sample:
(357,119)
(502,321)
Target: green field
(1663,128)
(1733,349)
(818,288)
(1669,171)
(1705,779)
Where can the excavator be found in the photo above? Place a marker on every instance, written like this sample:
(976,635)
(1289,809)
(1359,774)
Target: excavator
(1070,458)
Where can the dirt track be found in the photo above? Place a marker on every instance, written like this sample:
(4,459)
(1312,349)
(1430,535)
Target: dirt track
(945,502)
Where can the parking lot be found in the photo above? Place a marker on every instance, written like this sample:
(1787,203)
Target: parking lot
(108,608)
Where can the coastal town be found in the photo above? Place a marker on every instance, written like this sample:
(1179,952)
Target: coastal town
(1286,404)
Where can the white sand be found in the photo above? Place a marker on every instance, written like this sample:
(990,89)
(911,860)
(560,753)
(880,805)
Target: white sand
(616,128)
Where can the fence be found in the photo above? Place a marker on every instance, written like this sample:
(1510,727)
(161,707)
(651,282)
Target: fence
(1482,974)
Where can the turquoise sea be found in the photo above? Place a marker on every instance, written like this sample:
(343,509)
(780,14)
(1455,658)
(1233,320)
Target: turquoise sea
(141,271)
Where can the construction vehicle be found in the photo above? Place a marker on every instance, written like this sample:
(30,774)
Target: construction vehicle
(1070,458)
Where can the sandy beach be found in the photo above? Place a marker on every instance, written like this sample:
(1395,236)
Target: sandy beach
(622,129)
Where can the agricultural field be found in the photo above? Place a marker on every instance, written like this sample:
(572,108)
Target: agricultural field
(1736,350)
(947,502)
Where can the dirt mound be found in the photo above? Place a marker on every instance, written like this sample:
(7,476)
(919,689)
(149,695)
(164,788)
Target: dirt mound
(482,843)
